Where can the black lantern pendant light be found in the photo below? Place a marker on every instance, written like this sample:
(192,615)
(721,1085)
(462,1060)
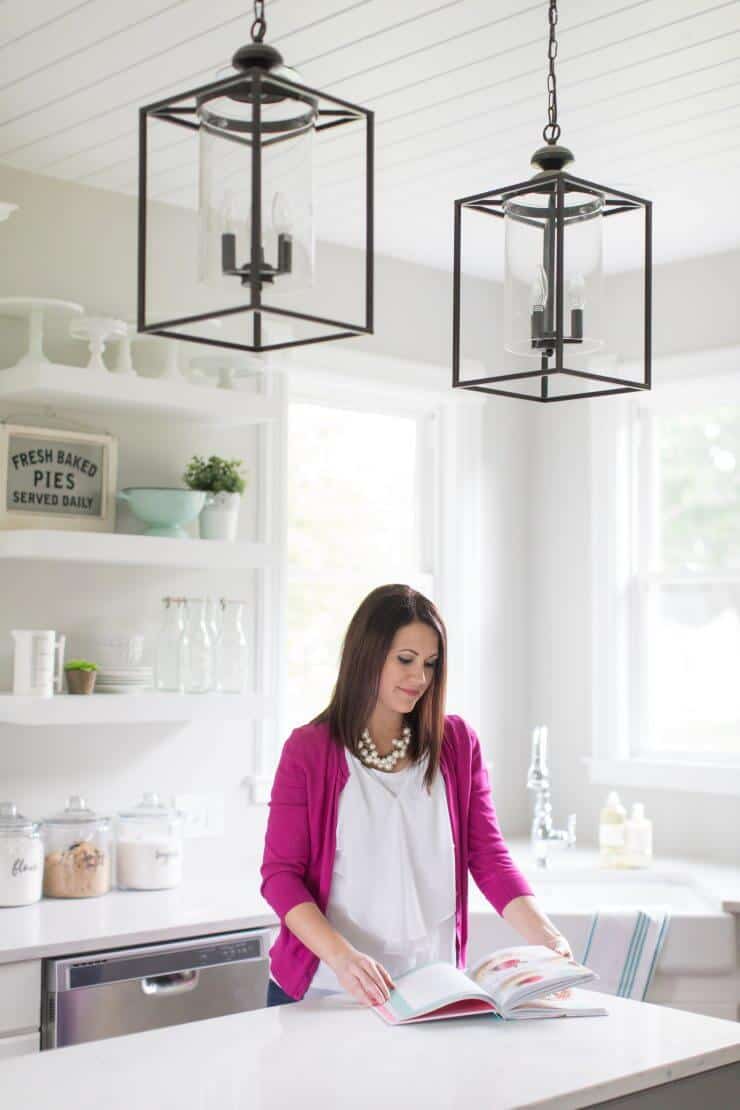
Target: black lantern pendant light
(241,151)
(552,340)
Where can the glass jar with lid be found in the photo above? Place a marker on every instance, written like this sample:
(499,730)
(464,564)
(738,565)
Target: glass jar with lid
(149,846)
(77,850)
(21,858)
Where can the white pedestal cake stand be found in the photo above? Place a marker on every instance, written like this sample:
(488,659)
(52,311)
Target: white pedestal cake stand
(97,330)
(34,309)
(227,365)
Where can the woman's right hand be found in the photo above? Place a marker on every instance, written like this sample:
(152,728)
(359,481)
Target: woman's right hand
(363,977)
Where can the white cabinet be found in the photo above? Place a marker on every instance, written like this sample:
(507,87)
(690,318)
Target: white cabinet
(20,1008)
(20,1045)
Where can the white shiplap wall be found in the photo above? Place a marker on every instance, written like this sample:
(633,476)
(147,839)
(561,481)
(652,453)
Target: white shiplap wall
(649,99)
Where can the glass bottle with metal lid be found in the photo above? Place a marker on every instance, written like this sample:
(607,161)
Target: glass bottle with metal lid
(77,847)
(149,846)
(21,858)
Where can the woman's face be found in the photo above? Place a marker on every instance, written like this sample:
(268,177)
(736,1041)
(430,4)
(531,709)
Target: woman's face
(409,667)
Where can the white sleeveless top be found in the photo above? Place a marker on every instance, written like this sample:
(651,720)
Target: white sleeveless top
(392,892)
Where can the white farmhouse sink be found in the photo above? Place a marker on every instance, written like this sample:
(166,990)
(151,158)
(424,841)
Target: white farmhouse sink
(700,938)
(573,895)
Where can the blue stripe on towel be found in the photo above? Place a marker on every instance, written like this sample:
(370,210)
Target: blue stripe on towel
(630,946)
(656,952)
(638,955)
(590,938)
(630,953)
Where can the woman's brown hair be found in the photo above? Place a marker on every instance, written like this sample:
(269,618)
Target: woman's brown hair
(365,648)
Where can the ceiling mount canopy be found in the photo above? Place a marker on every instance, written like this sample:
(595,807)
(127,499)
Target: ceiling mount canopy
(554,338)
(242,152)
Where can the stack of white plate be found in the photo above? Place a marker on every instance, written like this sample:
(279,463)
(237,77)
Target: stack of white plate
(124,680)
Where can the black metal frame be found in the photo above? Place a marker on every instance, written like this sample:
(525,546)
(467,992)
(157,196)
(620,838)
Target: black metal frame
(172,110)
(491,203)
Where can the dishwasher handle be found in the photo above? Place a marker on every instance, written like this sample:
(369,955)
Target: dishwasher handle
(178,982)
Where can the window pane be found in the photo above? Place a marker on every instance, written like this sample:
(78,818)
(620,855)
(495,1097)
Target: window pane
(700,489)
(696,667)
(352,526)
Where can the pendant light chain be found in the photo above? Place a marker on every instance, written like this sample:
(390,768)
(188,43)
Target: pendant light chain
(259,26)
(551,133)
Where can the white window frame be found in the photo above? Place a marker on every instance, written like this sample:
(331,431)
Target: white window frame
(449,530)
(621,580)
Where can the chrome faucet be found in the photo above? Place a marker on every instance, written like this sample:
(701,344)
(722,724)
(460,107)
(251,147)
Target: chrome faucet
(538,779)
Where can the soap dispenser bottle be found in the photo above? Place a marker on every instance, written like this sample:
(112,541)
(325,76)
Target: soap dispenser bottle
(638,838)
(612,821)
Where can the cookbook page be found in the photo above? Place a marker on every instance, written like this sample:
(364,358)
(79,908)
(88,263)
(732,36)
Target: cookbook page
(569,1002)
(426,988)
(522,970)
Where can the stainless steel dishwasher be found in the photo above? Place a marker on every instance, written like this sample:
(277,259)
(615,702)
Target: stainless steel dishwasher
(106,994)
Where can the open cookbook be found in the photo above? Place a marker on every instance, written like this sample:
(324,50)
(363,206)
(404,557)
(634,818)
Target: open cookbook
(528,981)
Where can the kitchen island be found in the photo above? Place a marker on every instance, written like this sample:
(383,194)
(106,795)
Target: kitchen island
(333,1053)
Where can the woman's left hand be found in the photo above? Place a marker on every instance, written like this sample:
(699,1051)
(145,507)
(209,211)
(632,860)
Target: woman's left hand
(559,944)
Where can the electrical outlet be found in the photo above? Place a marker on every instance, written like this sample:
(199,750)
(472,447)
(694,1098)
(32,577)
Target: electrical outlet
(204,814)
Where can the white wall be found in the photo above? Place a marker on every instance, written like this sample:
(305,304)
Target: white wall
(79,244)
(695,309)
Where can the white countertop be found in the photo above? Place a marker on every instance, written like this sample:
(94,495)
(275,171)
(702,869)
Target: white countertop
(334,1053)
(718,885)
(57,926)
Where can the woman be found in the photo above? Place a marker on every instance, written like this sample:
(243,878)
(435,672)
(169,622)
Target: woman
(379,808)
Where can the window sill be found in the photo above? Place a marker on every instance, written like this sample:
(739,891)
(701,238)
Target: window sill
(700,778)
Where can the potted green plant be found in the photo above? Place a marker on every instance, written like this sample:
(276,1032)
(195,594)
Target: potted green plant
(224,485)
(80,676)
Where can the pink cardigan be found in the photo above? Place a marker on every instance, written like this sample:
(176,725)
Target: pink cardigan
(300,842)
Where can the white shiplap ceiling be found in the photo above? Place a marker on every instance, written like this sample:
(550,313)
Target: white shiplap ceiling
(649,98)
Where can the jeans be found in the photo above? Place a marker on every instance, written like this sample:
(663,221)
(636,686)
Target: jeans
(276,996)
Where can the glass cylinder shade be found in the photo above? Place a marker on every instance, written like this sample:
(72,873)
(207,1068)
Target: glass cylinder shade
(256,143)
(531,289)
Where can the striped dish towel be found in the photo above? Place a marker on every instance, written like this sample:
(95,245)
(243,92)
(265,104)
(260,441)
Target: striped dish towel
(623,947)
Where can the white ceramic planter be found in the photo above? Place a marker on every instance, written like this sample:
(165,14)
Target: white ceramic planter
(219,516)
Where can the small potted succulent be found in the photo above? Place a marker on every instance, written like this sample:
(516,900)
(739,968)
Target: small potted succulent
(224,484)
(80,676)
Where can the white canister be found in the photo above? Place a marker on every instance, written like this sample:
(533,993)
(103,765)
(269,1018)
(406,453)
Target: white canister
(21,858)
(149,846)
(219,517)
(38,662)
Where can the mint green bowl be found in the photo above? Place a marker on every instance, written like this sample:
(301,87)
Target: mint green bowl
(164,510)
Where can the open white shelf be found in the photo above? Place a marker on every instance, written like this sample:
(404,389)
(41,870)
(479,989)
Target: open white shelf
(90,391)
(111,709)
(120,549)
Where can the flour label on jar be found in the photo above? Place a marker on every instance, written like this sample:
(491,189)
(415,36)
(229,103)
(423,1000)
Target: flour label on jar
(20,870)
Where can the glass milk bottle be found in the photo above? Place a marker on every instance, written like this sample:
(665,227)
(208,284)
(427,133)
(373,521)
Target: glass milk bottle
(213,619)
(169,653)
(21,858)
(198,649)
(232,667)
(149,846)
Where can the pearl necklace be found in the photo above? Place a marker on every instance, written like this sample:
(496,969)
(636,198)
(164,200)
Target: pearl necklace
(371,757)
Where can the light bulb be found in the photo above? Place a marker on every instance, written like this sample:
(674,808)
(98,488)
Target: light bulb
(538,305)
(539,291)
(227,212)
(281,214)
(576,292)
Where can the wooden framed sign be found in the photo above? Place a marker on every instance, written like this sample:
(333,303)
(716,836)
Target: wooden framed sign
(50,478)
